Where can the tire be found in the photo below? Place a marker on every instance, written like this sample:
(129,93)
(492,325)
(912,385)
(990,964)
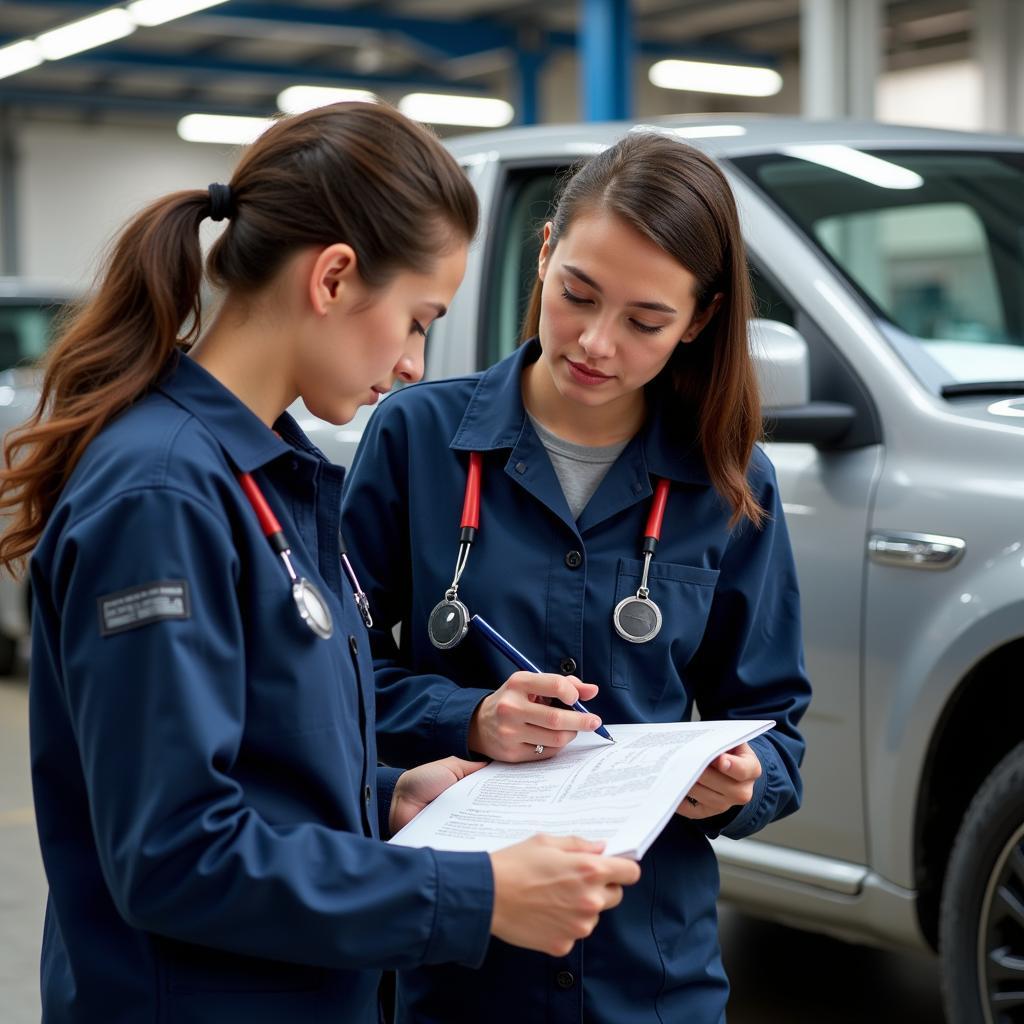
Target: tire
(981,919)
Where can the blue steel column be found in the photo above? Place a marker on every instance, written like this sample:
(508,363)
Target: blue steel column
(606,59)
(528,67)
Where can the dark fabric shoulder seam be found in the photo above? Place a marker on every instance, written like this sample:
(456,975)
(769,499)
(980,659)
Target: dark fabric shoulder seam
(139,488)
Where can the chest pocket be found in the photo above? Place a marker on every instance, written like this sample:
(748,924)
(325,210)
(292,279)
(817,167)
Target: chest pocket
(684,594)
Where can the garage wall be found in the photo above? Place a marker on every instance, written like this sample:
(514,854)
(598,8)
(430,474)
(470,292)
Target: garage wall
(78,183)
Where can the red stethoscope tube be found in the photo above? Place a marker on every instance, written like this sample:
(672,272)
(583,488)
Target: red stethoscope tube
(265,514)
(313,610)
(636,619)
(471,503)
(656,516)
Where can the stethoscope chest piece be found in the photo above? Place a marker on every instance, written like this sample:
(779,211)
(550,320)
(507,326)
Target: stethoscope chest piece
(313,609)
(637,619)
(448,623)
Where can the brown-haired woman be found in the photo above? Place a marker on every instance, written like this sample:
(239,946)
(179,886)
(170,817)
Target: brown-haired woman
(635,378)
(204,770)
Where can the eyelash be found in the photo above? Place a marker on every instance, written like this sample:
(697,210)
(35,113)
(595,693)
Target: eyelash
(577,301)
(418,328)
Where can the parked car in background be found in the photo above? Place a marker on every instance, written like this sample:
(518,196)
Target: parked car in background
(28,310)
(889,270)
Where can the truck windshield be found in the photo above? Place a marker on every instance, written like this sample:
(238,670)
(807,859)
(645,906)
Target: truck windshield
(933,240)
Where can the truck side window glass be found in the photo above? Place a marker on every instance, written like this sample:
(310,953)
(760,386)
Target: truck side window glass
(769,303)
(512,266)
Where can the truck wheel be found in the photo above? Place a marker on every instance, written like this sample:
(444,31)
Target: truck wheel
(981,921)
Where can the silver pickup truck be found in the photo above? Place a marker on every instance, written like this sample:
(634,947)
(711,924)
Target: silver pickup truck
(889,270)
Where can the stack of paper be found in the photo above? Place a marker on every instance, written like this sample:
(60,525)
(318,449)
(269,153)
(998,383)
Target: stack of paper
(623,792)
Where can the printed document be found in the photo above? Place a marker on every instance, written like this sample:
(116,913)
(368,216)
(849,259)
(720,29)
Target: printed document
(623,792)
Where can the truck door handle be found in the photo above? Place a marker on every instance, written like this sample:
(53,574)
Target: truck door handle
(915,550)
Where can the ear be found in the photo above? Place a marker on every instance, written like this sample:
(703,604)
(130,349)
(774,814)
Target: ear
(332,277)
(545,252)
(701,319)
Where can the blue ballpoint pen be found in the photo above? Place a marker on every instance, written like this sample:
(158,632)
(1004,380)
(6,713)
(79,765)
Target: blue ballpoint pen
(520,660)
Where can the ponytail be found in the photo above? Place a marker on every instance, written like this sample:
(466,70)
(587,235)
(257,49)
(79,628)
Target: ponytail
(354,172)
(110,355)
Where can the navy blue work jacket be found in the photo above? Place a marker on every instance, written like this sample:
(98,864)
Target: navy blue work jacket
(730,643)
(204,766)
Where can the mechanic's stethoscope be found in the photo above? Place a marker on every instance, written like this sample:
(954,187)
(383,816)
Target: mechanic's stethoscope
(312,608)
(636,619)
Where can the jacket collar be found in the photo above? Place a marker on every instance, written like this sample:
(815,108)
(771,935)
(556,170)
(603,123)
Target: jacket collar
(495,418)
(247,440)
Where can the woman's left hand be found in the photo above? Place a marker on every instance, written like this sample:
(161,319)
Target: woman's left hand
(727,782)
(419,786)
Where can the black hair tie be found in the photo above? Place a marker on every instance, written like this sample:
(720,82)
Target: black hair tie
(221,201)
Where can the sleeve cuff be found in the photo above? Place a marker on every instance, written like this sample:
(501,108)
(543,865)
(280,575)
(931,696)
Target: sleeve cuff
(451,723)
(464,908)
(387,779)
(756,814)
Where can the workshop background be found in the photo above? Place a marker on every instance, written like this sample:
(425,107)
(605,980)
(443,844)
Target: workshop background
(103,107)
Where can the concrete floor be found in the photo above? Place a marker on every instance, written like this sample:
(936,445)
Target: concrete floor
(779,976)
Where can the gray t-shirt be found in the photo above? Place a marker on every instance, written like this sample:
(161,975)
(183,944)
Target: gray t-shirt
(580,468)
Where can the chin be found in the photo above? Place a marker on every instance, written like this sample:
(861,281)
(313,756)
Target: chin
(338,412)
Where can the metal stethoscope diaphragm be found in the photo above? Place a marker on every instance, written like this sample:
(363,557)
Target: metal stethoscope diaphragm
(309,602)
(636,619)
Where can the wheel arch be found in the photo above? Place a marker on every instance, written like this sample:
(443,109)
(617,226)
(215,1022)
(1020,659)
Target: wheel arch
(979,725)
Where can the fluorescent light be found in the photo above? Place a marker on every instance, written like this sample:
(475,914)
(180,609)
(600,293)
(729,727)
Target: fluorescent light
(86,33)
(298,98)
(474,111)
(731,79)
(19,57)
(222,128)
(156,12)
(858,165)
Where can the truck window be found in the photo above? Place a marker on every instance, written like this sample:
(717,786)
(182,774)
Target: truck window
(936,252)
(511,266)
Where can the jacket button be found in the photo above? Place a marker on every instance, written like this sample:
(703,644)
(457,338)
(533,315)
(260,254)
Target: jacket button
(367,795)
(574,559)
(565,979)
(353,646)
(568,666)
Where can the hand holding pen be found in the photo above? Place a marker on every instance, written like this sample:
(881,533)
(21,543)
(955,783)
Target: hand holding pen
(515,723)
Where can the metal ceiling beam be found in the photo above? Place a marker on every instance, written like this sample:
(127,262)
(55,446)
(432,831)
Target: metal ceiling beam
(200,66)
(449,38)
(14,97)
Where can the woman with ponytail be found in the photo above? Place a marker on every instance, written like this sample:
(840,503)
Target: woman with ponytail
(207,793)
(631,402)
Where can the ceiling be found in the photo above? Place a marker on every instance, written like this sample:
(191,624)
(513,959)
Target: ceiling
(236,57)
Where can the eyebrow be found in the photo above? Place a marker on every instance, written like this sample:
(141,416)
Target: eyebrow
(657,307)
(440,307)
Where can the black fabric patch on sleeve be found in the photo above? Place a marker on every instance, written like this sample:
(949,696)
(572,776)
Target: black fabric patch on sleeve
(141,605)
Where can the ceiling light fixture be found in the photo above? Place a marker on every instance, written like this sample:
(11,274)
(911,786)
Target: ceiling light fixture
(728,79)
(470,111)
(857,164)
(19,57)
(156,12)
(225,129)
(298,98)
(86,33)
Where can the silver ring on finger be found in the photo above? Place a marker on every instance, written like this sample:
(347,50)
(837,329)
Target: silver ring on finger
(539,749)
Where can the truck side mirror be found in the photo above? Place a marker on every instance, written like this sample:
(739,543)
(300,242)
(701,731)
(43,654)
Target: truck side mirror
(782,364)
